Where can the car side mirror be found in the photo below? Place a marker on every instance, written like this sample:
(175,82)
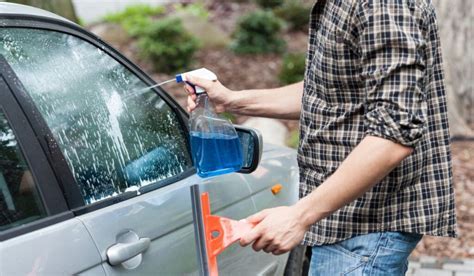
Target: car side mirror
(252,147)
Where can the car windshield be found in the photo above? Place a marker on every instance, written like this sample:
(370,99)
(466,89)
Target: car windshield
(115,134)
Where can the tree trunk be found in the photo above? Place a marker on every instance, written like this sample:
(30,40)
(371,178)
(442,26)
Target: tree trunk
(63,8)
(455,25)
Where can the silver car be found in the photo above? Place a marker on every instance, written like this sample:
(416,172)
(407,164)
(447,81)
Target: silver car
(93,165)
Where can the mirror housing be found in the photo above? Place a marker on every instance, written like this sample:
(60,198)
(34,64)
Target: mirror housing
(252,148)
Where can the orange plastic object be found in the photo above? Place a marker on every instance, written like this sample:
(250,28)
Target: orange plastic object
(220,233)
(276,189)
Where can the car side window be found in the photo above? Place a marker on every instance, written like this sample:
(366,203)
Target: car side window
(20,202)
(115,133)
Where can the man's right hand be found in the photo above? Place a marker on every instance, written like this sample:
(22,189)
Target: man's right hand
(219,95)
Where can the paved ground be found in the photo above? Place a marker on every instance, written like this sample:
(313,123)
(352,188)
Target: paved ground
(430,266)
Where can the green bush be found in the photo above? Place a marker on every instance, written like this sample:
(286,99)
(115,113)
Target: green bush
(135,18)
(293,68)
(269,3)
(295,13)
(293,139)
(258,32)
(167,45)
(196,9)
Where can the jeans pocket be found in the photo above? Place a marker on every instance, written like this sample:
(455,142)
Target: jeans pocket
(334,259)
(401,241)
(361,247)
(392,256)
(347,252)
(389,261)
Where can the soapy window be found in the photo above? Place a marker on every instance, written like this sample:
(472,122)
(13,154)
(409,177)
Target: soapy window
(115,134)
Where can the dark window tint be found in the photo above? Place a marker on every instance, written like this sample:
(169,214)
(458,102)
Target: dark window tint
(19,199)
(116,134)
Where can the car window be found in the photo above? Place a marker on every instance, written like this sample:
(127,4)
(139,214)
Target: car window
(19,199)
(115,134)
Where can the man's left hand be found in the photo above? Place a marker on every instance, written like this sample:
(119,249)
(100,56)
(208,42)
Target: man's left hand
(277,230)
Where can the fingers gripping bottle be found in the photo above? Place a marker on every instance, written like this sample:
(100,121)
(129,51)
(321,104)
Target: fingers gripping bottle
(215,145)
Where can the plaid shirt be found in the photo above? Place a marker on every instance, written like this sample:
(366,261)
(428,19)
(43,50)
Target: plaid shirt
(375,68)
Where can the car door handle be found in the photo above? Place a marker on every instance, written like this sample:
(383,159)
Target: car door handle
(121,252)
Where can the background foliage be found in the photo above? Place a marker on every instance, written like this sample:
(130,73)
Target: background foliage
(259,32)
(295,13)
(293,68)
(135,18)
(269,3)
(167,45)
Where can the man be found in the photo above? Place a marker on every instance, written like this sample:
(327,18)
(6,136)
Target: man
(374,156)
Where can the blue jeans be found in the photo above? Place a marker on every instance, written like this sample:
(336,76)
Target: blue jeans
(383,253)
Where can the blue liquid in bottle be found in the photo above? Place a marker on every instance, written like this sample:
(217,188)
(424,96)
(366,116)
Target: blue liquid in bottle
(215,153)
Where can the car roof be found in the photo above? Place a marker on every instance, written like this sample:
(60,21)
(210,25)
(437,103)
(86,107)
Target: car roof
(24,10)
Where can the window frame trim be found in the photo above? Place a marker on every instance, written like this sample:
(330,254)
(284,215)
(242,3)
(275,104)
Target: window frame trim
(61,168)
(46,183)
(43,133)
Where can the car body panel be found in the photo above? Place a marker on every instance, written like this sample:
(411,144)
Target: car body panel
(278,166)
(169,226)
(65,248)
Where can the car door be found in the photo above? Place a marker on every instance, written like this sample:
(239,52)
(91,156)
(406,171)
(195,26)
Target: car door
(33,213)
(127,152)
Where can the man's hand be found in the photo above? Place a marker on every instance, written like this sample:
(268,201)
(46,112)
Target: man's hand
(218,93)
(277,230)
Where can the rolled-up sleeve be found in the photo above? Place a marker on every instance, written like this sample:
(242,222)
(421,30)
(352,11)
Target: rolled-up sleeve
(393,71)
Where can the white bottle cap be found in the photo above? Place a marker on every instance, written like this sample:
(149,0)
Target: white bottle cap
(202,73)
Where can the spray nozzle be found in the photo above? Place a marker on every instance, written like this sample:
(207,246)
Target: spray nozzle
(200,73)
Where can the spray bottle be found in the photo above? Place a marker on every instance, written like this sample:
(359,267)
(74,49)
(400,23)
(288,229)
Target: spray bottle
(215,145)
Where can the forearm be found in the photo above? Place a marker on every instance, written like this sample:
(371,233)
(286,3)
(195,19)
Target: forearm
(281,103)
(365,166)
